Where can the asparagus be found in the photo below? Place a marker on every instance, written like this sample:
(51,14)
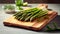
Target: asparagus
(18,16)
(23,16)
(16,13)
(27,12)
(32,10)
(38,15)
(32,15)
(35,16)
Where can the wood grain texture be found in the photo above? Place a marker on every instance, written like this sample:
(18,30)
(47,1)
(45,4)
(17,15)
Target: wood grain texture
(11,21)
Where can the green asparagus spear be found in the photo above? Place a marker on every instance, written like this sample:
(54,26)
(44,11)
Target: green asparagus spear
(32,10)
(16,13)
(22,17)
(27,12)
(32,15)
(41,13)
(19,16)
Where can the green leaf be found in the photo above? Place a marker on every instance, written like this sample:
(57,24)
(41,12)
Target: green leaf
(48,27)
(55,25)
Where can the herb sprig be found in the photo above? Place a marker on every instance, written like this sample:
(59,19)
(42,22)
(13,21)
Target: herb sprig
(49,29)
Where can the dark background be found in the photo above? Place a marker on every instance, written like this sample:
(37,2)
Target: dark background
(32,1)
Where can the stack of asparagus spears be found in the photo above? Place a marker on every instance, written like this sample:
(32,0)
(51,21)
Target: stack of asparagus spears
(30,14)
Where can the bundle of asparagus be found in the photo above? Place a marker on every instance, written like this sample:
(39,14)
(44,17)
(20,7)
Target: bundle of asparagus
(30,14)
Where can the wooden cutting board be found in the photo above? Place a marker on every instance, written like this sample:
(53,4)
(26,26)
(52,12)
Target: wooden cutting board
(11,21)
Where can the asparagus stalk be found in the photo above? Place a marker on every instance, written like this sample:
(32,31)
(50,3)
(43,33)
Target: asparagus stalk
(34,16)
(27,12)
(41,13)
(16,13)
(18,16)
(31,15)
(22,16)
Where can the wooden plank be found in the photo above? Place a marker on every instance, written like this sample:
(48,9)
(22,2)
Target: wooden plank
(30,25)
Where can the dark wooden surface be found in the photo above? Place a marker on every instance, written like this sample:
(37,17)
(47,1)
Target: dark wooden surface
(42,1)
(32,1)
(7,1)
